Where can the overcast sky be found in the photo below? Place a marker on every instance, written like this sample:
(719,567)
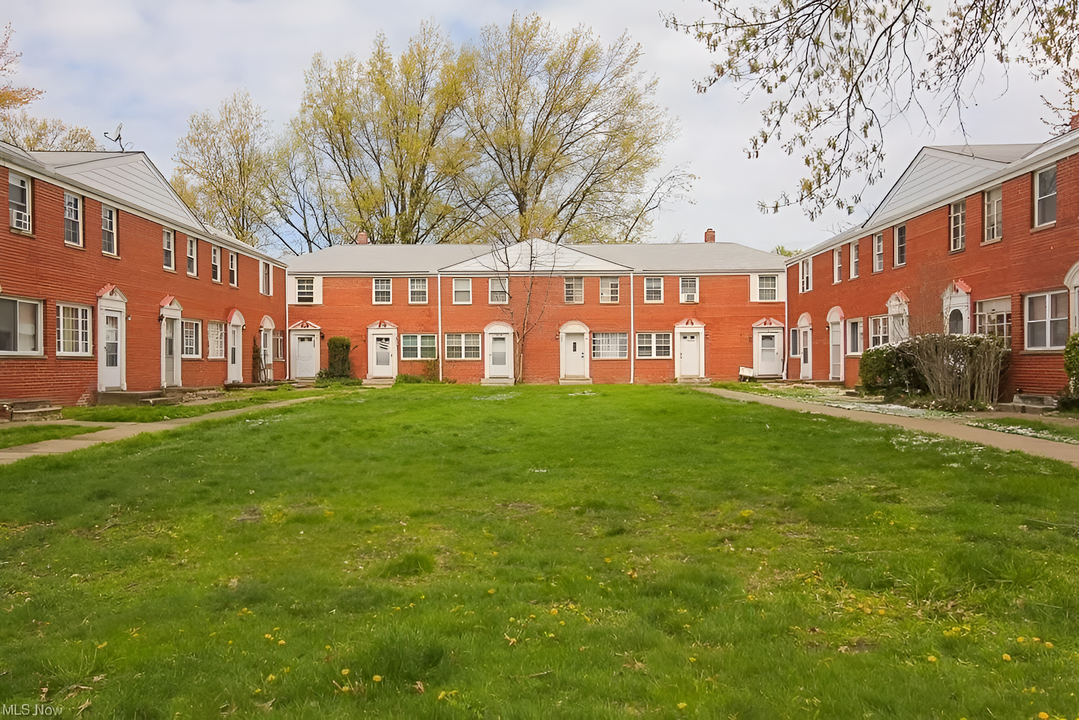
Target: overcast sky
(150,64)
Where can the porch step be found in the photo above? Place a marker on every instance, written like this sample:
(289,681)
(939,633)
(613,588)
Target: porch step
(497,381)
(160,400)
(48,412)
(574,381)
(694,381)
(126,397)
(1029,404)
(378,382)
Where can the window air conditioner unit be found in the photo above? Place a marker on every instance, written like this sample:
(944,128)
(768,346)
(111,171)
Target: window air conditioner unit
(689,297)
(20,220)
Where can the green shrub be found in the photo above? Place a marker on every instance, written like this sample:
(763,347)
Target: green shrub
(340,365)
(959,369)
(406,379)
(885,370)
(1068,397)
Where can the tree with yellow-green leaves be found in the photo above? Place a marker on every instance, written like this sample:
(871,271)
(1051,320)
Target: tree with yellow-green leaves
(12,96)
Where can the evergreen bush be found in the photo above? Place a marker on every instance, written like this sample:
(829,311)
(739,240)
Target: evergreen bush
(340,365)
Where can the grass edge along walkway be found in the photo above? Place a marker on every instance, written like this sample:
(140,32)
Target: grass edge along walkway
(121,431)
(954,428)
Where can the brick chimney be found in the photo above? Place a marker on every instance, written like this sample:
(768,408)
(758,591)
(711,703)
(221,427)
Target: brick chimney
(710,235)
(1074,124)
(361,238)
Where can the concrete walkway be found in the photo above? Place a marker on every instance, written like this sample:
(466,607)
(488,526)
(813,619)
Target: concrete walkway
(112,432)
(950,427)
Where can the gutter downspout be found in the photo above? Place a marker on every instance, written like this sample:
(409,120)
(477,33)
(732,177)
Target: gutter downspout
(786,324)
(439,341)
(288,334)
(632,331)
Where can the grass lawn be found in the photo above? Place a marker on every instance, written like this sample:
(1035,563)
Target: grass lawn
(536,552)
(149,413)
(775,390)
(23,434)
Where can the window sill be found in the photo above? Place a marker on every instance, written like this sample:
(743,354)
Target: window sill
(957,250)
(896,266)
(114,256)
(609,359)
(459,304)
(669,357)
(169,270)
(191,357)
(74,356)
(853,355)
(608,302)
(994,241)
(1046,226)
(461,360)
(74,246)
(1042,351)
(409,302)
(653,302)
(22,356)
(22,233)
(193,275)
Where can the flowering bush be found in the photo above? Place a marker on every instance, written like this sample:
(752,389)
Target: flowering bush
(959,369)
(884,370)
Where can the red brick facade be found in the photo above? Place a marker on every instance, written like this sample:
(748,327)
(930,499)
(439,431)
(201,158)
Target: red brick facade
(1024,264)
(40,269)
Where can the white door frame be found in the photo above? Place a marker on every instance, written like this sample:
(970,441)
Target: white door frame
(836,345)
(697,328)
(171,310)
(234,351)
(573,327)
(385,329)
(304,329)
(111,299)
(266,329)
(498,329)
(805,337)
(759,333)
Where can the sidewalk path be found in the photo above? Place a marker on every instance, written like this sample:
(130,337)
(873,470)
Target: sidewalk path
(120,431)
(951,427)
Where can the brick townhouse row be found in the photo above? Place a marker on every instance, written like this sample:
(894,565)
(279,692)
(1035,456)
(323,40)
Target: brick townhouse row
(540,312)
(971,239)
(109,283)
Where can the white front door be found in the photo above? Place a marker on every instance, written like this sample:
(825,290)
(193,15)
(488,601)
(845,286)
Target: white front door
(267,355)
(769,359)
(112,347)
(306,360)
(236,354)
(168,357)
(573,352)
(383,357)
(806,371)
(836,344)
(499,357)
(689,352)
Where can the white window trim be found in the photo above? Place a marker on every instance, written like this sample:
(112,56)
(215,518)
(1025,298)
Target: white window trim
(1038,222)
(411,291)
(895,246)
(993,207)
(375,290)
(854,265)
(652,346)
(215,264)
(463,346)
(615,338)
(837,266)
(654,302)
(111,229)
(612,290)
(184,355)
(234,269)
(683,296)
(20,220)
(878,252)
(192,257)
(1048,320)
(795,348)
(574,285)
(805,275)
(210,354)
(882,339)
(466,286)
(168,244)
(37,332)
(266,278)
(957,232)
(78,206)
(756,289)
(980,315)
(851,334)
(502,286)
(305,302)
(419,346)
(85,319)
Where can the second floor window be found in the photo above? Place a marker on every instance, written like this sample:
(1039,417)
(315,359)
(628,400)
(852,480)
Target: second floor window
(878,252)
(994,214)
(234,270)
(497,292)
(305,290)
(108,230)
(653,289)
(958,225)
(574,290)
(767,288)
(417,291)
(608,289)
(462,291)
(18,202)
(1045,192)
(192,256)
(72,219)
(854,260)
(168,250)
(688,289)
(215,264)
(901,245)
(383,291)
(837,265)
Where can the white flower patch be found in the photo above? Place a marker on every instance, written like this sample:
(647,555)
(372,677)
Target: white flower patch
(905,441)
(501,396)
(1024,431)
(583,392)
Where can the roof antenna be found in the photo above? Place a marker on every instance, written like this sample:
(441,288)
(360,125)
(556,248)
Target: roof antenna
(118,140)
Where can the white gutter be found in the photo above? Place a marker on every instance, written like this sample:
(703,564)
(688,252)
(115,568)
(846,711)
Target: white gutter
(439,342)
(632,332)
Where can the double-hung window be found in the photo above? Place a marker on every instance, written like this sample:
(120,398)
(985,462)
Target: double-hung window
(72,219)
(901,246)
(610,346)
(383,291)
(958,225)
(192,256)
(767,288)
(1045,193)
(234,269)
(608,289)
(279,346)
(805,275)
(20,326)
(191,345)
(689,290)
(837,265)
(462,291)
(854,337)
(574,287)
(168,247)
(994,214)
(498,291)
(305,290)
(653,289)
(215,264)
(108,230)
(215,340)
(417,291)
(653,345)
(462,346)
(854,260)
(1047,321)
(74,333)
(994,317)
(878,252)
(265,278)
(419,347)
(878,331)
(795,335)
(18,202)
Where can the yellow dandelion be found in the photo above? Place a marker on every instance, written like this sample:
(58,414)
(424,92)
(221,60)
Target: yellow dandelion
(268,636)
(932,658)
(1007,657)
(880,612)
(377,678)
(345,671)
(1048,644)
(271,678)
(681,706)
(554,611)
(491,591)
(280,642)
(1036,639)
(511,620)
(1043,715)
(693,659)
(606,560)
(1020,639)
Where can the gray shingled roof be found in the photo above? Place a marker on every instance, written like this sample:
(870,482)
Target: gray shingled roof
(720,257)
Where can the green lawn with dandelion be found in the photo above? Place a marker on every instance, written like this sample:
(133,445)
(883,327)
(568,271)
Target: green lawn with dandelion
(536,552)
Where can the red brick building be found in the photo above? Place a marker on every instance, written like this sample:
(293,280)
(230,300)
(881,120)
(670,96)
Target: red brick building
(540,312)
(108,282)
(970,239)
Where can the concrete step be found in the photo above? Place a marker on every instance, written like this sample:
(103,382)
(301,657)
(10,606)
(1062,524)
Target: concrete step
(1045,401)
(497,381)
(378,382)
(160,400)
(51,412)
(693,380)
(126,397)
(574,381)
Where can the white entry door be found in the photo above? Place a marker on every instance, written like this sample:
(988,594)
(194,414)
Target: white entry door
(112,346)
(383,357)
(236,354)
(769,359)
(306,358)
(836,343)
(690,354)
(806,371)
(574,355)
(500,363)
(169,357)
